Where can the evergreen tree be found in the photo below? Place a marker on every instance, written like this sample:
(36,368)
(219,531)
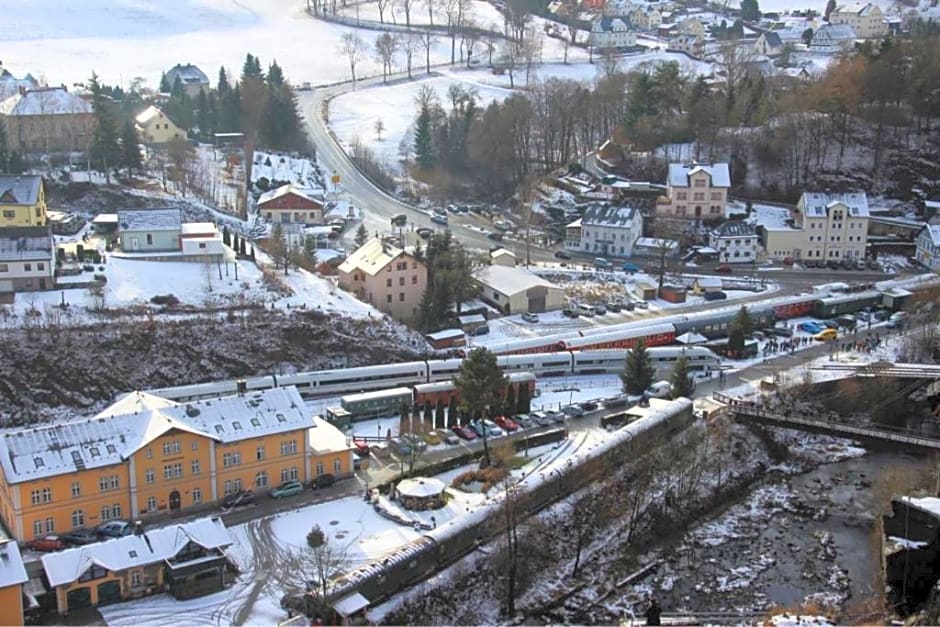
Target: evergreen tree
(452,417)
(310,249)
(524,403)
(750,11)
(682,384)
(165,86)
(736,339)
(203,114)
(275,77)
(362,236)
(744,321)
(4,151)
(424,154)
(235,242)
(481,385)
(223,86)
(226,236)
(418,252)
(509,406)
(439,414)
(638,370)
(105,150)
(241,250)
(830,7)
(130,148)
(252,67)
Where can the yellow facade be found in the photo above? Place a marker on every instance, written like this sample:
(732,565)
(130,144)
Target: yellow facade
(11,605)
(24,214)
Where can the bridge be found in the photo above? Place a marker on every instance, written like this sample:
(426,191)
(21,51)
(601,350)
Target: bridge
(880,434)
(884,369)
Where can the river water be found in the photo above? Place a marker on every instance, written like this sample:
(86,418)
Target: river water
(793,539)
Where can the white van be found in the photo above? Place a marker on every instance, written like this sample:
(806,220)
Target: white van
(660,389)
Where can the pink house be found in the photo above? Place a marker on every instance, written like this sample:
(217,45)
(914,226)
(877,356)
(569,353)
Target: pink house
(386,277)
(695,190)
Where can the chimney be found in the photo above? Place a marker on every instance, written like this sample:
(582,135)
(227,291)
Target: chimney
(138,528)
(241,386)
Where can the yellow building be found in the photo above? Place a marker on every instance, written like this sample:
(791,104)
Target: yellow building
(22,200)
(153,127)
(146,455)
(12,577)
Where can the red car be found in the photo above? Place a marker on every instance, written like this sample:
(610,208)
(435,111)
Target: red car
(362,447)
(508,424)
(46,543)
(724,269)
(464,432)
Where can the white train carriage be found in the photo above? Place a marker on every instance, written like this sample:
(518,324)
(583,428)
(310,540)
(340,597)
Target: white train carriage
(541,364)
(361,379)
(443,369)
(214,389)
(700,360)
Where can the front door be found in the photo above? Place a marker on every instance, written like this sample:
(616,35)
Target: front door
(109,592)
(174,500)
(42,284)
(135,243)
(78,598)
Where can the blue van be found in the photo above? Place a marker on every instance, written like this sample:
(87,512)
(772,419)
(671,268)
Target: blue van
(630,267)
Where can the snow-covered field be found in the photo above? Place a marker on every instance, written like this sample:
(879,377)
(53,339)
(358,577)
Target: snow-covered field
(125,39)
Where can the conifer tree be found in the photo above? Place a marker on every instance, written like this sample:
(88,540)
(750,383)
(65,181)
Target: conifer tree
(362,236)
(638,370)
(424,153)
(682,384)
(105,151)
(130,148)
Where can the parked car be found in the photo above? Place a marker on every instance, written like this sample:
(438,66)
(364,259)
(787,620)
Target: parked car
(114,529)
(719,295)
(832,264)
(362,447)
(628,305)
(507,424)
(897,319)
(502,225)
(659,389)
(554,417)
(569,312)
(439,219)
(630,267)
(600,310)
(236,499)
(464,432)
(493,430)
(80,537)
(724,268)
(530,317)
(524,421)
(616,401)
(860,264)
(847,321)
(399,219)
(585,310)
(539,419)
(831,324)
(588,405)
(826,335)
(560,254)
(496,236)
(572,411)
(642,304)
(780,331)
(811,327)
(602,264)
(288,488)
(414,440)
(323,481)
(432,438)
(46,543)
(480,330)
(613,306)
(451,438)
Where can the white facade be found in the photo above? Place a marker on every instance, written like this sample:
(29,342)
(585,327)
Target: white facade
(27,259)
(736,242)
(833,38)
(612,32)
(835,226)
(605,231)
(866,20)
(646,17)
(928,246)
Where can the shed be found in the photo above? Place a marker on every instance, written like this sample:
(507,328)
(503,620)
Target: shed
(673,293)
(516,290)
(503,257)
(646,291)
(448,338)
(471,322)
(105,223)
(350,604)
(705,284)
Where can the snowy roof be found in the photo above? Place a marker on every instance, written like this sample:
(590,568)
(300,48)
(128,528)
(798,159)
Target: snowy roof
(446,334)
(772,39)
(708,281)
(112,436)
(817,204)
(148,114)
(349,605)
(930,504)
(105,218)
(679,173)
(833,32)
(598,214)
(188,74)
(471,319)
(420,487)
(20,189)
(198,228)
(12,571)
(372,257)
(502,252)
(509,281)
(933,232)
(44,101)
(325,438)
(131,551)
(10,85)
(734,229)
(313,195)
(150,220)
(656,242)
(26,243)
(856,8)
(609,24)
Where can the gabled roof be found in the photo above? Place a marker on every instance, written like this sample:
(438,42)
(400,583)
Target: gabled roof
(136,420)
(599,214)
(679,173)
(148,115)
(20,189)
(371,258)
(12,570)
(44,101)
(304,192)
(734,229)
(856,8)
(817,204)
(933,232)
(833,32)
(26,243)
(508,280)
(150,220)
(608,24)
(131,551)
(772,39)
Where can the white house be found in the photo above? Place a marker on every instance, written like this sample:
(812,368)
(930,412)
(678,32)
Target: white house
(692,45)
(200,238)
(928,246)
(736,242)
(833,38)
(768,44)
(835,226)
(27,259)
(516,290)
(605,230)
(612,32)
(646,17)
(866,19)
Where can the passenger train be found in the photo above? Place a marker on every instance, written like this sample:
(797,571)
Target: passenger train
(591,351)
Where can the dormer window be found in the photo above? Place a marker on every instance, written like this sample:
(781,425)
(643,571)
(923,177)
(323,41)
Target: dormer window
(94,451)
(39,462)
(111,449)
(237,425)
(255,422)
(281,418)
(219,429)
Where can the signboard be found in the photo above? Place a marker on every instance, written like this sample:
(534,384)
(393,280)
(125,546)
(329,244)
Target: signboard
(335,179)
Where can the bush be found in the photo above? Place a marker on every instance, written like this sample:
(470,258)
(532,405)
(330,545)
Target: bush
(488,477)
(168,300)
(101,278)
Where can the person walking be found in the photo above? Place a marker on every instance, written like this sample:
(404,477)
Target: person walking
(653,613)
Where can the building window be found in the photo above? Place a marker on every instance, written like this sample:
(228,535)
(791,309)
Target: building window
(76,489)
(149,476)
(37,527)
(401,281)
(288,447)
(227,487)
(195,445)
(388,282)
(151,503)
(108,483)
(4,267)
(319,468)
(78,518)
(27,267)
(197,496)
(148,453)
(414,279)
(172,448)
(149,238)
(173,471)
(40,266)
(337,466)
(195,466)
(50,525)
(261,479)
(41,496)
(135,578)
(259,453)
(289,474)
(9,214)
(388,299)
(231,459)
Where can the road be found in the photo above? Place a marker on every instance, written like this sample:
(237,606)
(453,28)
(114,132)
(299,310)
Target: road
(378,206)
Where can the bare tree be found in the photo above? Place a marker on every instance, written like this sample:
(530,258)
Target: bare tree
(386,45)
(430,4)
(428,40)
(471,35)
(512,515)
(354,48)
(531,51)
(327,559)
(382,5)
(411,44)
(379,129)
(406,5)
(181,155)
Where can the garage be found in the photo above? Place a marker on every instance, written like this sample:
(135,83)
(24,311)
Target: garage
(109,592)
(79,598)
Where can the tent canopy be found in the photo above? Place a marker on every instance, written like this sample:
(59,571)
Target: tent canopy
(691,337)
(349,605)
